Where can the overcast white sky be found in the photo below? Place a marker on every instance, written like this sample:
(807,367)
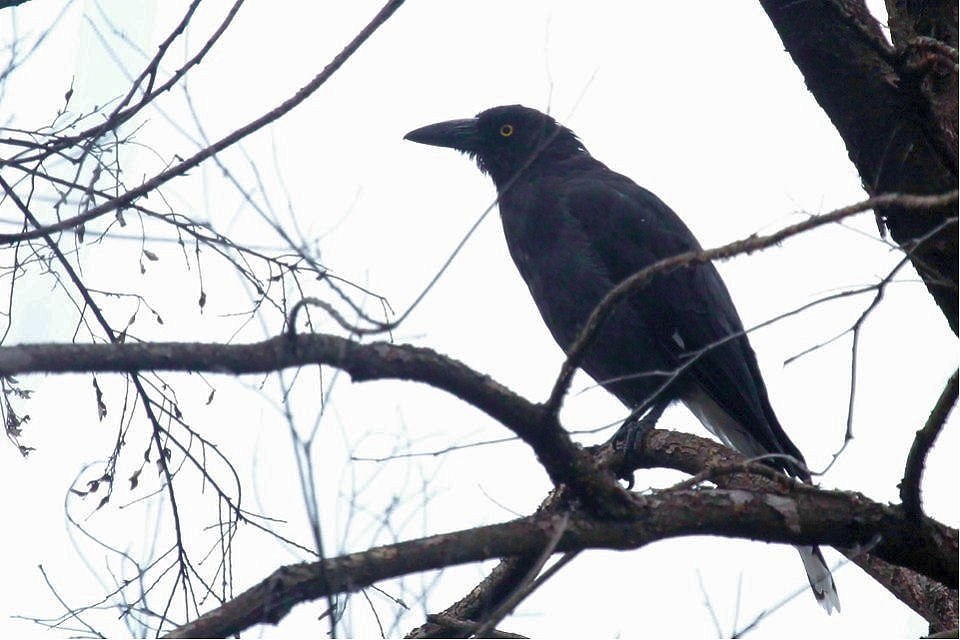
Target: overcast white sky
(696,101)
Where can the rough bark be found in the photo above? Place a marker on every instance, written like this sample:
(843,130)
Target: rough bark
(936,602)
(895,108)
(578,469)
(805,516)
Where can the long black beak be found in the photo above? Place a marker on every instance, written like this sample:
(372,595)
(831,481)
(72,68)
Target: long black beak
(462,135)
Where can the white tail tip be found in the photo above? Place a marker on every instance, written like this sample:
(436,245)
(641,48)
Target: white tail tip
(821,581)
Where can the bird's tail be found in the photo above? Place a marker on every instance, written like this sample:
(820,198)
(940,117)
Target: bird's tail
(821,581)
(733,434)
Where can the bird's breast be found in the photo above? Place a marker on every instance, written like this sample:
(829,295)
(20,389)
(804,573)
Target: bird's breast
(557,263)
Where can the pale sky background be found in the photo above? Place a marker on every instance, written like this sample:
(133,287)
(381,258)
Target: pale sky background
(696,101)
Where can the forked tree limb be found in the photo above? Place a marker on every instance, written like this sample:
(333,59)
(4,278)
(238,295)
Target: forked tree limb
(805,516)
(895,108)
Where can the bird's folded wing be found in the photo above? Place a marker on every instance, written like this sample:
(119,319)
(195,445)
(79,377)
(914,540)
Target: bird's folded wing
(689,309)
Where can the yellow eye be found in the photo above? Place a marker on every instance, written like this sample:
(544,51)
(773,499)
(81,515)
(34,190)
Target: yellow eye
(506,130)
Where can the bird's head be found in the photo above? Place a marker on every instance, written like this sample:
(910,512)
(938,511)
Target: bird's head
(503,140)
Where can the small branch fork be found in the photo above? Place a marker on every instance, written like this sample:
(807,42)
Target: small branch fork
(569,466)
(814,516)
(181,168)
(613,518)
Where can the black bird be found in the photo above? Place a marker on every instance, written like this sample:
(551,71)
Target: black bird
(576,229)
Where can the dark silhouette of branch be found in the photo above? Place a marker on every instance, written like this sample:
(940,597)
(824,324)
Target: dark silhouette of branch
(529,582)
(895,108)
(562,459)
(804,517)
(926,35)
(691,454)
(910,485)
(496,587)
(905,547)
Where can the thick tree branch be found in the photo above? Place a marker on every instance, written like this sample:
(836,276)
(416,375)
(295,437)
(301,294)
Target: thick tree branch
(894,108)
(909,19)
(700,457)
(694,455)
(382,361)
(564,461)
(926,32)
(806,516)
(934,601)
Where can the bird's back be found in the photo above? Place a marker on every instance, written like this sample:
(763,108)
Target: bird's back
(576,229)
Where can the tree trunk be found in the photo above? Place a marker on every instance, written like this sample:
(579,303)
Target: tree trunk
(895,108)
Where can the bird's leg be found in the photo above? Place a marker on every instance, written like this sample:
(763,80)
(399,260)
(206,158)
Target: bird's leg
(630,436)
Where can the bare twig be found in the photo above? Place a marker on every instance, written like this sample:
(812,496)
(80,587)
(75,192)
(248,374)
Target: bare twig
(708,605)
(746,245)
(157,430)
(910,485)
(383,327)
(763,615)
(527,585)
(72,612)
(180,168)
